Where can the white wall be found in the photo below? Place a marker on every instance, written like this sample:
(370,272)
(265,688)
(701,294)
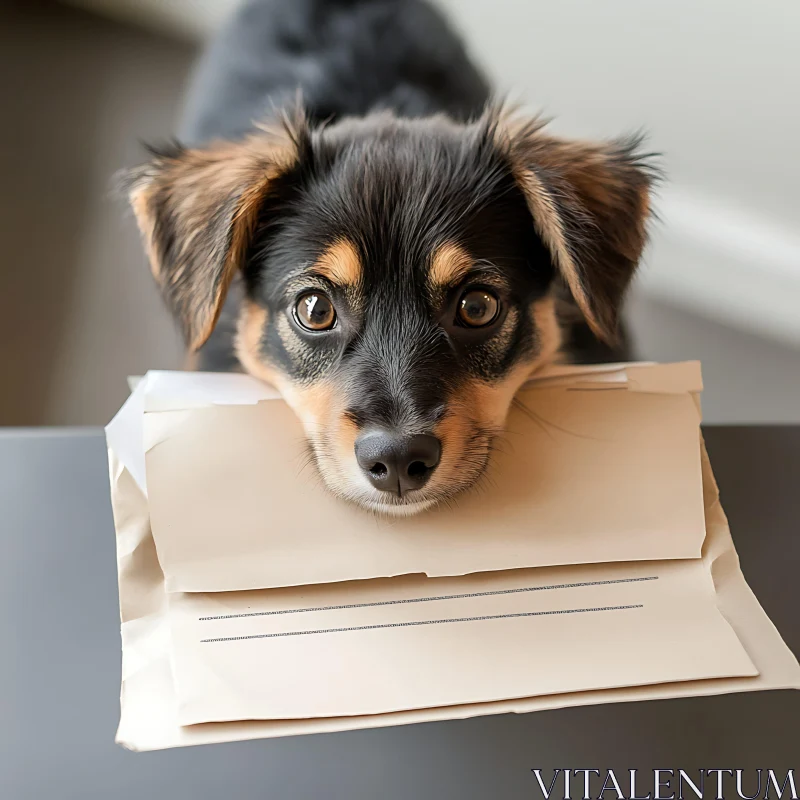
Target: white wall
(715,82)
(717,85)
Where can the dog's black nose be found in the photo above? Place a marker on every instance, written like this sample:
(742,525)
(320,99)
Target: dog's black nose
(396,463)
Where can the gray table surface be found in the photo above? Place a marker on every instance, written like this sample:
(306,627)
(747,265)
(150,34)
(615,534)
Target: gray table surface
(60,664)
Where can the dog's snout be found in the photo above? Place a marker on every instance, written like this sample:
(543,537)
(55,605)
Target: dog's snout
(395,463)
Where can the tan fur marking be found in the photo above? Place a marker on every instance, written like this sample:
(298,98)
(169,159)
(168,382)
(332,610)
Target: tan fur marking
(453,432)
(335,437)
(139,199)
(249,332)
(340,264)
(449,266)
(545,318)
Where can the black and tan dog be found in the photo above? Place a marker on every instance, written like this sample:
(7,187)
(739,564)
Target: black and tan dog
(399,256)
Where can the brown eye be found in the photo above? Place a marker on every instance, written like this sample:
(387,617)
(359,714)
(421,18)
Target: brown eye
(315,312)
(477,308)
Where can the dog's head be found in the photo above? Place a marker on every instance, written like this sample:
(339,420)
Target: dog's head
(400,276)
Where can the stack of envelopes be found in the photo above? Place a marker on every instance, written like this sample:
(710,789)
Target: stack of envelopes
(594,564)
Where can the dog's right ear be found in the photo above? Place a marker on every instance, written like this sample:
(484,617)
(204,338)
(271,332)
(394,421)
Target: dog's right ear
(197,209)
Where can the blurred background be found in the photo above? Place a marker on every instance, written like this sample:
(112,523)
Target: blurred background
(715,83)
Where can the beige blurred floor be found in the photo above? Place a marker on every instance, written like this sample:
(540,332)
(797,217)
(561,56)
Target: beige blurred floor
(78,309)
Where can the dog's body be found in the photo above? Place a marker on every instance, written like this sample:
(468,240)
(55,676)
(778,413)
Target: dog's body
(399,257)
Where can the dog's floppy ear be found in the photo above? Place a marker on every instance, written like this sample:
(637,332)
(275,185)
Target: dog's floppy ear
(590,203)
(197,209)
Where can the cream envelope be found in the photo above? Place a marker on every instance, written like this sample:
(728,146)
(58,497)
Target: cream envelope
(182,652)
(374,647)
(234,505)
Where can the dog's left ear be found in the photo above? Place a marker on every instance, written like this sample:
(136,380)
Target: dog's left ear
(590,204)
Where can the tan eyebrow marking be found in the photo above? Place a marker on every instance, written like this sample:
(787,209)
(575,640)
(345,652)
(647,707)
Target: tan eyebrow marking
(450,264)
(340,263)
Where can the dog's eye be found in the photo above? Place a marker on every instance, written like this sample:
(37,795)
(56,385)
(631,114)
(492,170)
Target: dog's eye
(477,308)
(315,312)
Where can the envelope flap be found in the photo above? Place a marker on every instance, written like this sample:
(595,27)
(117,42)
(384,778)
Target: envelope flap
(677,378)
(579,477)
(174,391)
(178,391)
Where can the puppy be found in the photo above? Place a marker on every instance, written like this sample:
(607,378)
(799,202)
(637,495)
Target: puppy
(399,255)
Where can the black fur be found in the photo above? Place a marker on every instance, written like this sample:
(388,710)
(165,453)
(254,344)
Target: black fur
(397,347)
(346,57)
